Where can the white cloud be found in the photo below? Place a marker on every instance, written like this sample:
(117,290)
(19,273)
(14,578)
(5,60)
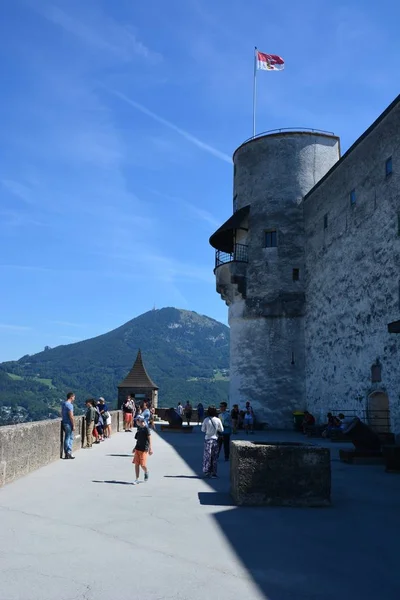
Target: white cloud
(102,34)
(185,134)
(18,189)
(14,328)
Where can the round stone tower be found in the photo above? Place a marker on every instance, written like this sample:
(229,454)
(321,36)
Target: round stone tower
(260,268)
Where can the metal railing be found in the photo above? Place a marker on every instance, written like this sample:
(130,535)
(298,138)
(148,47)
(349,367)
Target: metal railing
(289,129)
(239,254)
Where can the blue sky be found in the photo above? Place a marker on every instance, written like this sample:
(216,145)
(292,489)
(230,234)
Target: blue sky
(118,121)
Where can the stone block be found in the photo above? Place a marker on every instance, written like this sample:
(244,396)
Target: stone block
(280,474)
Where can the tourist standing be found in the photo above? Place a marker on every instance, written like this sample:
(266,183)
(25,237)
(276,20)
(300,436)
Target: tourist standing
(179,410)
(200,413)
(248,419)
(128,409)
(211,427)
(146,414)
(224,439)
(67,416)
(188,412)
(89,422)
(235,413)
(142,449)
(106,417)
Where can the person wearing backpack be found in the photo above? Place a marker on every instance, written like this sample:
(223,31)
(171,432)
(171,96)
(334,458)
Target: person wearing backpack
(211,426)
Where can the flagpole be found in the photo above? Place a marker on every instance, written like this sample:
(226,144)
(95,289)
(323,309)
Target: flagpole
(254,91)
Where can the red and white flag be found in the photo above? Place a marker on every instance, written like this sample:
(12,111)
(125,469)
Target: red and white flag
(269,62)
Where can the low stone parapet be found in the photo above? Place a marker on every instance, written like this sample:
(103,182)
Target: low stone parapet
(29,446)
(280,474)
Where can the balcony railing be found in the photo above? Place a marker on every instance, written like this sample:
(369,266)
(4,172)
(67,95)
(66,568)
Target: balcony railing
(239,254)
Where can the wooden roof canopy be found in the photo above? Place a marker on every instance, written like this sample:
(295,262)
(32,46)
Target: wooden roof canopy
(223,238)
(138,377)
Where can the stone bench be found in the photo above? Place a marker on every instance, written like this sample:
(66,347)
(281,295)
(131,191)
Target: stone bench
(280,474)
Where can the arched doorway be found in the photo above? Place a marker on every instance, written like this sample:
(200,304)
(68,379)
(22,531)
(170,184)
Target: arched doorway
(378,412)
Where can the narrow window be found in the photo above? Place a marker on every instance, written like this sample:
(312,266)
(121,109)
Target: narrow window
(389,166)
(296,274)
(326,221)
(271,239)
(352,197)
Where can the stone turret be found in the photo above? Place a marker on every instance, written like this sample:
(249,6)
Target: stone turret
(259,268)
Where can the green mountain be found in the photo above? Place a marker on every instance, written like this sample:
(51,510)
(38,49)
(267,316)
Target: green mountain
(185,354)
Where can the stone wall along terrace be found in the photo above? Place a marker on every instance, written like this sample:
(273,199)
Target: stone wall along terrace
(29,446)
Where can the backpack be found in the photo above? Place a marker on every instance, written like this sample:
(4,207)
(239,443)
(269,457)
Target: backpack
(96,417)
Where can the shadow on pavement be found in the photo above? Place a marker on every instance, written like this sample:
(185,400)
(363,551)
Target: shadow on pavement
(121,455)
(183,476)
(346,551)
(215,499)
(113,481)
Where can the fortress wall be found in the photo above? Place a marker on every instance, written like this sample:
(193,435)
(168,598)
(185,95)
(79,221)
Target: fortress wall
(353,276)
(29,446)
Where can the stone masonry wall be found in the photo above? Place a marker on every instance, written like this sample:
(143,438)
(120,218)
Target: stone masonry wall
(29,446)
(353,277)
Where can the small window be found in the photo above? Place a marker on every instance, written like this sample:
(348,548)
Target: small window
(352,197)
(271,239)
(326,221)
(389,166)
(296,274)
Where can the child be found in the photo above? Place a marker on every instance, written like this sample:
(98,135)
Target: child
(142,448)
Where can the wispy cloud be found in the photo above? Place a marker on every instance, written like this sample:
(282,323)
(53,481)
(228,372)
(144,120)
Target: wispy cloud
(102,34)
(195,211)
(18,189)
(185,134)
(14,328)
(68,324)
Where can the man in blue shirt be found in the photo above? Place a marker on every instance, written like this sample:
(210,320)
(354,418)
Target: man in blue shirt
(67,416)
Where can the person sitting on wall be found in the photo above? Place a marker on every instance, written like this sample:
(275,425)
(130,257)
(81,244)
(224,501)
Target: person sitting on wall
(308,422)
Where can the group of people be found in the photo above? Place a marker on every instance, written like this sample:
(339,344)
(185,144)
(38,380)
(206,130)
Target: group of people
(97,423)
(217,425)
(131,410)
(241,419)
(333,423)
(98,428)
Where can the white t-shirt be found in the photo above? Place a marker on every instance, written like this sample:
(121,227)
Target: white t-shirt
(179,409)
(211,426)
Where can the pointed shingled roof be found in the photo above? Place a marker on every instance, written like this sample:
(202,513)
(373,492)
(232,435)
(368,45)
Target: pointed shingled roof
(138,377)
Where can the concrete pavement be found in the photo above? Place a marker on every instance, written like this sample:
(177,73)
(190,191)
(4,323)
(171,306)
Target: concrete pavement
(78,530)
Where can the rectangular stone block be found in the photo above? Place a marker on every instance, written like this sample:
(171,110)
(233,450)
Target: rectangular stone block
(280,474)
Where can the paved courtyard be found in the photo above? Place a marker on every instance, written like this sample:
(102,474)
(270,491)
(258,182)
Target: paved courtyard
(78,530)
